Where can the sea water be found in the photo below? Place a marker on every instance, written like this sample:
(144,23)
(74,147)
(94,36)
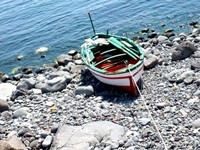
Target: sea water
(27,25)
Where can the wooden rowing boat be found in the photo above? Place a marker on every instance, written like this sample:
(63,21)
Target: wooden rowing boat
(114,60)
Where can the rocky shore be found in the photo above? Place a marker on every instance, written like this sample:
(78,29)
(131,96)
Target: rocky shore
(62,106)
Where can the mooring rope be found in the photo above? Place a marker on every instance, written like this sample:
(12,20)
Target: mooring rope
(150,114)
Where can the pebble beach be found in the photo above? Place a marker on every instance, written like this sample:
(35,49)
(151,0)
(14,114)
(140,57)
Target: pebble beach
(62,106)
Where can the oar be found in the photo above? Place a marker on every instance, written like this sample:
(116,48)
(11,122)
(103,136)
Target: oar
(128,45)
(119,45)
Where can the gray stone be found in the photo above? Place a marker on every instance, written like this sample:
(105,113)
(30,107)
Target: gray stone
(23,131)
(16,94)
(47,141)
(26,84)
(20,113)
(183,51)
(3,106)
(196,123)
(64,59)
(88,134)
(87,90)
(6,90)
(54,85)
(144,121)
(150,62)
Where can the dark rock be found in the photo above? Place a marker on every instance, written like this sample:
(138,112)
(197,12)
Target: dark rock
(145,30)
(152,35)
(193,23)
(183,51)
(5,78)
(43,56)
(3,106)
(169,30)
(17,77)
(27,70)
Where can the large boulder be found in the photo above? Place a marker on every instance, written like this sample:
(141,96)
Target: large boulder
(182,51)
(54,85)
(12,143)
(81,137)
(6,90)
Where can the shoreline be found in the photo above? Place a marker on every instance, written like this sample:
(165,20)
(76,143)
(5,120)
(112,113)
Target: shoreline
(39,104)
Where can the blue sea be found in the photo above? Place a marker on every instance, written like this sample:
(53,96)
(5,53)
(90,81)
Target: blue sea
(26,25)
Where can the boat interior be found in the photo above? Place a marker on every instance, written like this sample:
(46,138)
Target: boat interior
(112,59)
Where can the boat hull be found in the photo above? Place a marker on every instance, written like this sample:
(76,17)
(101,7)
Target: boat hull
(124,80)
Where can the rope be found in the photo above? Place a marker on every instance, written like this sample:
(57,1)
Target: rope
(147,109)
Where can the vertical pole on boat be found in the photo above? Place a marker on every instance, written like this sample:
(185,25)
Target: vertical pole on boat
(91,23)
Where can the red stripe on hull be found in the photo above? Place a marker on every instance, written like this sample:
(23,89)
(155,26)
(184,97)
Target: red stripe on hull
(131,89)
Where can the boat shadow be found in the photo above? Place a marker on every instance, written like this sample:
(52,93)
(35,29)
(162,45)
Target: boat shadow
(108,92)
